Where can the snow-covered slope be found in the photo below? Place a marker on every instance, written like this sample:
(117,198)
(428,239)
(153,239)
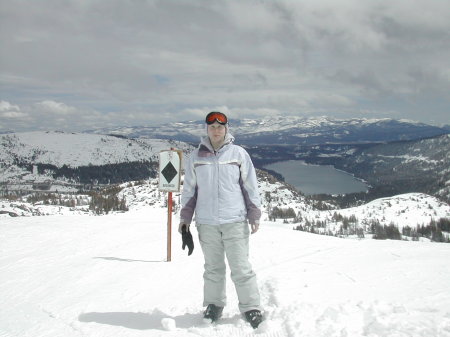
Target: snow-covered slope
(402,210)
(413,209)
(422,165)
(405,210)
(19,152)
(78,149)
(104,276)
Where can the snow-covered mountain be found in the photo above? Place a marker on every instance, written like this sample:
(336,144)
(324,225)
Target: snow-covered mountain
(420,165)
(78,149)
(36,157)
(291,130)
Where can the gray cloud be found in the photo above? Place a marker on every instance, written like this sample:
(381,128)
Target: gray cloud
(147,62)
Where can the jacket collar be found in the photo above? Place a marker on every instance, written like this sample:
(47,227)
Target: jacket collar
(206,148)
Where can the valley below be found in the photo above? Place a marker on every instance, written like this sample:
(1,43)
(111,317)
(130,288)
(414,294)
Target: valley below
(388,169)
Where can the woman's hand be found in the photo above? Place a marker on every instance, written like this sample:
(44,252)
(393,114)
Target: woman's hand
(180,226)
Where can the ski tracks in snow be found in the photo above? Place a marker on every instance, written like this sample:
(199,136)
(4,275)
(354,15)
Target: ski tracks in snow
(346,319)
(349,319)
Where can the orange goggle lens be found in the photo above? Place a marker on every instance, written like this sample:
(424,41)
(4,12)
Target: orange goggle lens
(216,117)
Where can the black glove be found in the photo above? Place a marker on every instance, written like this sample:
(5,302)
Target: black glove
(186,236)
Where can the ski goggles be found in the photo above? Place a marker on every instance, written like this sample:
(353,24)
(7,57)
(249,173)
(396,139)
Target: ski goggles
(216,117)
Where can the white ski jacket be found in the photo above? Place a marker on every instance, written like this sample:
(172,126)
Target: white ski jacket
(220,186)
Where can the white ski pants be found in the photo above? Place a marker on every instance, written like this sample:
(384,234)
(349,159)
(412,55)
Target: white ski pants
(231,240)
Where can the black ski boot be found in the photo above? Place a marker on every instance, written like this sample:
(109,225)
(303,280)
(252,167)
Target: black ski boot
(254,317)
(212,313)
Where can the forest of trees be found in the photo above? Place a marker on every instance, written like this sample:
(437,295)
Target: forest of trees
(105,201)
(99,174)
(434,231)
(100,201)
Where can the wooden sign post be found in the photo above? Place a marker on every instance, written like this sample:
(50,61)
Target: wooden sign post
(169,181)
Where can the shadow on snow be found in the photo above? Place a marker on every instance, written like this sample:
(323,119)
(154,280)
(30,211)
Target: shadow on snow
(140,320)
(110,258)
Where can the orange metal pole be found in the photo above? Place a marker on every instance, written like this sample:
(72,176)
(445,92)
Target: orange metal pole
(169,227)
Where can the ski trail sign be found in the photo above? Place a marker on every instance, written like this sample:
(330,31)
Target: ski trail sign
(170,170)
(169,181)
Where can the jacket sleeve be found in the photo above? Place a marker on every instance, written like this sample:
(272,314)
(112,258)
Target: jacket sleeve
(249,186)
(189,193)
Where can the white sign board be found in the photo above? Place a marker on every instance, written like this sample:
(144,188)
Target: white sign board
(170,170)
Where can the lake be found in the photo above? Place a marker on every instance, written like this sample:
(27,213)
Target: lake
(316,179)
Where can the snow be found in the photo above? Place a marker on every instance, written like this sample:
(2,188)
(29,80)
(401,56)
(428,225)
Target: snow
(78,149)
(82,275)
(70,149)
(409,209)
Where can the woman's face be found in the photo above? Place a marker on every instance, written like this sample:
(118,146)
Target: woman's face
(216,132)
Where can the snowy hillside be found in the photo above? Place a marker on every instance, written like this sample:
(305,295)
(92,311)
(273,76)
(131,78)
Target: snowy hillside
(143,194)
(403,211)
(52,151)
(412,210)
(78,149)
(104,276)
(422,165)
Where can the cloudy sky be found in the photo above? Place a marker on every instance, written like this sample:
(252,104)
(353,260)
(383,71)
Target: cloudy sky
(76,65)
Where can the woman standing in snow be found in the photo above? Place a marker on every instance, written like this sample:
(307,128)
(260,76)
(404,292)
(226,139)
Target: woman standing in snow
(220,186)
